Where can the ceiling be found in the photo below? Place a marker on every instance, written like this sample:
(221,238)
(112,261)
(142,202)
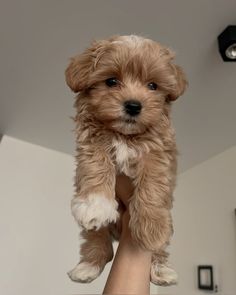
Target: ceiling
(38,37)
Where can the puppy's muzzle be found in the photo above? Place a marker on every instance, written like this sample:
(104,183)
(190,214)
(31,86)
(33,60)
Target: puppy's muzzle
(132,107)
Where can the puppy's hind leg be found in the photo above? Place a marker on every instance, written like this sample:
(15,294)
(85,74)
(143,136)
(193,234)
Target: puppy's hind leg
(95,252)
(161,272)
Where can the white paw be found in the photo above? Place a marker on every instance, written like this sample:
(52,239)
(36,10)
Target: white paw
(84,272)
(95,211)
(163,275)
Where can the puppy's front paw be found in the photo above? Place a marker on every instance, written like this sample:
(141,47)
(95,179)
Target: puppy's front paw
(84,272)
(163,275)
(95,211)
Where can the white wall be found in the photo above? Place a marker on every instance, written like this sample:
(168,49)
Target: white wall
(39,239)
(205,224)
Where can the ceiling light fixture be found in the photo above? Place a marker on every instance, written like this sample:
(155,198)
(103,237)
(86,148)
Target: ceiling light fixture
(227,44)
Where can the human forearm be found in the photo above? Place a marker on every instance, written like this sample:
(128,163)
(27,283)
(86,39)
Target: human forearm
(130,272)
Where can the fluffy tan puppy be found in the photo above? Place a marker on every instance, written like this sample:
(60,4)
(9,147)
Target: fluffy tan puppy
(125,86)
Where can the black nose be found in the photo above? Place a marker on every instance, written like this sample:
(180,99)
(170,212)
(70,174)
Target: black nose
(132,107)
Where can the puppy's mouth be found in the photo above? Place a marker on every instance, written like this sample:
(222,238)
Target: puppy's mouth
(128,126)
(130,121)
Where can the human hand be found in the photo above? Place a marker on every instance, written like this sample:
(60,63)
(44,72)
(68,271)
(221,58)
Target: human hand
(124,191)
(130,272)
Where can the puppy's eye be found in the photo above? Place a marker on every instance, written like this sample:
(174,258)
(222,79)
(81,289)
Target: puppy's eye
(111,82)
(152,86)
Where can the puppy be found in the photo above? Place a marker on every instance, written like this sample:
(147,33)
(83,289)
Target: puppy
(125,86)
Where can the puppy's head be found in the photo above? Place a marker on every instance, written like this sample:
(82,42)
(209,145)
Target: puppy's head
(128,82)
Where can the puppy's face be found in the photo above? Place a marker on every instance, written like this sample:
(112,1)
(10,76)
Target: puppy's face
(128,81)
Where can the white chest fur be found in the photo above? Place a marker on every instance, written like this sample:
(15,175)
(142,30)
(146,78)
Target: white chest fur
(123,156)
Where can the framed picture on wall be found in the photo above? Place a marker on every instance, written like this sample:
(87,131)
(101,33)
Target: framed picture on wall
(205,277)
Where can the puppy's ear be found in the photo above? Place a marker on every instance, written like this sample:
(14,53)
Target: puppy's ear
(81,66)
(78,71)
(180,85)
